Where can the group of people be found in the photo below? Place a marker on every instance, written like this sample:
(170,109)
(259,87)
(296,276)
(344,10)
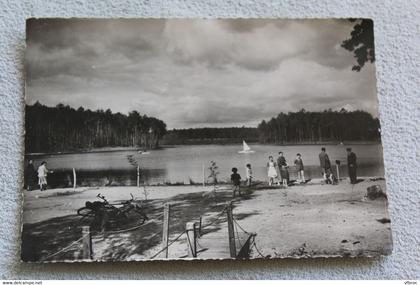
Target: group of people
(34,177)
(279,170)
(283,169)
(326,166)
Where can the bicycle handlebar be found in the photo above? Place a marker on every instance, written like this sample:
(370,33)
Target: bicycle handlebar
(102,197)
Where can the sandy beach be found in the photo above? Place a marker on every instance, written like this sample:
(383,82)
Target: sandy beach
(310,220)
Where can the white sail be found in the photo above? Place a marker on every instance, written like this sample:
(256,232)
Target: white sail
(245,146)
(246,149)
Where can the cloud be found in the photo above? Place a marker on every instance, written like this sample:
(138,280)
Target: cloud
(195,73)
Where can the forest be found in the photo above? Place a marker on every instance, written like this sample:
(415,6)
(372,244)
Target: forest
(210,135)
(306,127)
(63,128)
(288,128)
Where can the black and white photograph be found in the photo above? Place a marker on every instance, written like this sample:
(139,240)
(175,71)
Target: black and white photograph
(167,139)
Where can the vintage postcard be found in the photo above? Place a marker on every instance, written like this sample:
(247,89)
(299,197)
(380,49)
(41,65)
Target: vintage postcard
(152,139)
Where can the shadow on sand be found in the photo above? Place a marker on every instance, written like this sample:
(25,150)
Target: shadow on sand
(40,240)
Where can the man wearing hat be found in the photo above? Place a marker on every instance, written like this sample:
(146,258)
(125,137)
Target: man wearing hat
(352,166)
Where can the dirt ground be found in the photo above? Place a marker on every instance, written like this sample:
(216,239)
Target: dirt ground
(310,220)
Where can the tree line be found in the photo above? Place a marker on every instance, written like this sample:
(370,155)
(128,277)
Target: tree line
(287,128)
(303,127)
(210,135)
(63,128)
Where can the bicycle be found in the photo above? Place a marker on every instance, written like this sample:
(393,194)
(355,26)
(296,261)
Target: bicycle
(105,214)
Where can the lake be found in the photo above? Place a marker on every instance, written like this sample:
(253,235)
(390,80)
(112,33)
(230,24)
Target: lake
(184,164)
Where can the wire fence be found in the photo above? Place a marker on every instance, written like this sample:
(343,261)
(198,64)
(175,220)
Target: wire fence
(166,247)
(131,229)
(191,245)
(65,249)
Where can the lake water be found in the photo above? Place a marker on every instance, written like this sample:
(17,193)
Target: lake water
(184,164)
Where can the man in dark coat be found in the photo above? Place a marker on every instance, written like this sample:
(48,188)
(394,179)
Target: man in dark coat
(30,176)
(325,163)
(282,164)
(352,166)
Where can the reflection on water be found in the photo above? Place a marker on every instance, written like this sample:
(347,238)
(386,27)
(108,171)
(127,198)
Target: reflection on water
(184,164)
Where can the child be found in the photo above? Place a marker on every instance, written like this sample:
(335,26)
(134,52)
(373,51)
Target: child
(271,170)
(299,168)
(236,180)
(248,174)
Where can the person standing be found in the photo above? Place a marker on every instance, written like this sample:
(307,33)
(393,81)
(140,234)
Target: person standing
(248,174)
(299,168)
(30,175)
(352,165)
(236,180)
(325,165)
(284,172)
(271,170)
(42,176)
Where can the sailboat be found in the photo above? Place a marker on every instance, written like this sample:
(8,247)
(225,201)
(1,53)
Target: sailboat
(246,148)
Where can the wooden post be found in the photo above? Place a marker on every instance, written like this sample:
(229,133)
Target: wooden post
(231,231)
(204,176)
(337,167)
(165,234)
(74,178)
(191,239)
(338,171)
(200,222)
(86,243)
(138,176)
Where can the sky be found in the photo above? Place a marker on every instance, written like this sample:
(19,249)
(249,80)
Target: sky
(194,72)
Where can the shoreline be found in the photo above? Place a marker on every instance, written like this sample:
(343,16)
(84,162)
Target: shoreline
(163,146)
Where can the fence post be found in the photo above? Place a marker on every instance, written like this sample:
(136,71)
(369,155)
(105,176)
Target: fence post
(231,231)
(200,222)
(165,233)
(138,176)
(87,243)
(337,165)
(204,176)
(74,178)
(338,171)
(191,239)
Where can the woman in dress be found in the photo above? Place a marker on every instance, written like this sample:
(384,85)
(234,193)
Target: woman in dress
(42,175)
(271,169)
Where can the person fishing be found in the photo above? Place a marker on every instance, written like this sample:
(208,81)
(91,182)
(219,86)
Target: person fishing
(325,163)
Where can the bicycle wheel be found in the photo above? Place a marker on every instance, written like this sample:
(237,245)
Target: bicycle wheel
(85,212)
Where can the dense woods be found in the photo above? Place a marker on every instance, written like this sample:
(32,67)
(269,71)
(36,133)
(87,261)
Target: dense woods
(210,135)
(293,127)
(63,128)
(303,126)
